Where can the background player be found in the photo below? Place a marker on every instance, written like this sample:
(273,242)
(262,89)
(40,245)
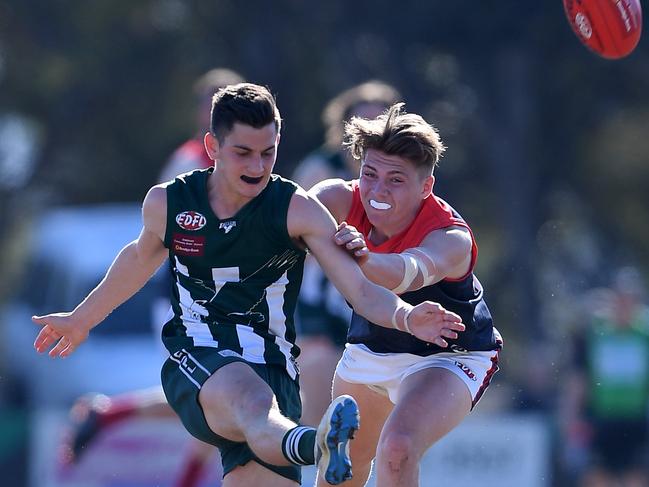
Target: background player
(322,313)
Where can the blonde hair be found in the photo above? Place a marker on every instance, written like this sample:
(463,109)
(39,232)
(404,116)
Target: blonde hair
(398,133)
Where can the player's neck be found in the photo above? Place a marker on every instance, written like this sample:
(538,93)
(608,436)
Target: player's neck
(386,231)
(225,201)
(380,235)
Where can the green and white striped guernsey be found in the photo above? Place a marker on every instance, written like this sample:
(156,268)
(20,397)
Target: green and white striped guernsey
(235,281)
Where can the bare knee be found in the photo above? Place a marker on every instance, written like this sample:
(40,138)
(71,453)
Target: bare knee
(246,405)
(397,449)
(253,404)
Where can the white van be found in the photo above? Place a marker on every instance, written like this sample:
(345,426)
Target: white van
(69,251)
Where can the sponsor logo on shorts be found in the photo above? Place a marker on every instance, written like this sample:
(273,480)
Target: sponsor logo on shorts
(469,373)
(185,362)
(190,220)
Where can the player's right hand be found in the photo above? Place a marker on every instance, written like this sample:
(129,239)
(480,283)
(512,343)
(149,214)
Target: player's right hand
(61,334)
(348,237)
(433,323)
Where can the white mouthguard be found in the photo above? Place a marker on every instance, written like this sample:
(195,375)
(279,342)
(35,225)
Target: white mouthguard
(380,206)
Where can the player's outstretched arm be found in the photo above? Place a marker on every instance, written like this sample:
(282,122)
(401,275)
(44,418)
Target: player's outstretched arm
(444,253)
(309,220)
(62,333)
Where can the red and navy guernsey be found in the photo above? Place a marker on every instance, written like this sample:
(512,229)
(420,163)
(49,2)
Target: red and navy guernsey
(463,296)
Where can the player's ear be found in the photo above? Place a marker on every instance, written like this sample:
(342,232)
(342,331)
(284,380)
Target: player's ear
(427,188)
(211,145)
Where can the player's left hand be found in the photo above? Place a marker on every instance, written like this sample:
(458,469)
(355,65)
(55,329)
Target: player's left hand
(353,241)
(431,323)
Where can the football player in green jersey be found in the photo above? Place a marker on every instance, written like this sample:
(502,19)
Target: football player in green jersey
(236,237)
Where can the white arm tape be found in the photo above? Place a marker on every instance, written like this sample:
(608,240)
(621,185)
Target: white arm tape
(405,319)
(394,318)
(409,274)
(422,258)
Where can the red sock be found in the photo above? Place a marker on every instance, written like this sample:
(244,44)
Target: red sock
(115,410)
(191,472)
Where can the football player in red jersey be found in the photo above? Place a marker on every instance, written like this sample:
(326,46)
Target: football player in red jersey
(410,241)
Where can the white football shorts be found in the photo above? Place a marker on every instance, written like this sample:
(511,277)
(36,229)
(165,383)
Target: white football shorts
(384,372)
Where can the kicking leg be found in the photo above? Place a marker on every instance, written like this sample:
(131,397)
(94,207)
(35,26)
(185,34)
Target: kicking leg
(240,406)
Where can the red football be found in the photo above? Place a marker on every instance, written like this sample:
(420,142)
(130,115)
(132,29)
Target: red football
(611,28)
